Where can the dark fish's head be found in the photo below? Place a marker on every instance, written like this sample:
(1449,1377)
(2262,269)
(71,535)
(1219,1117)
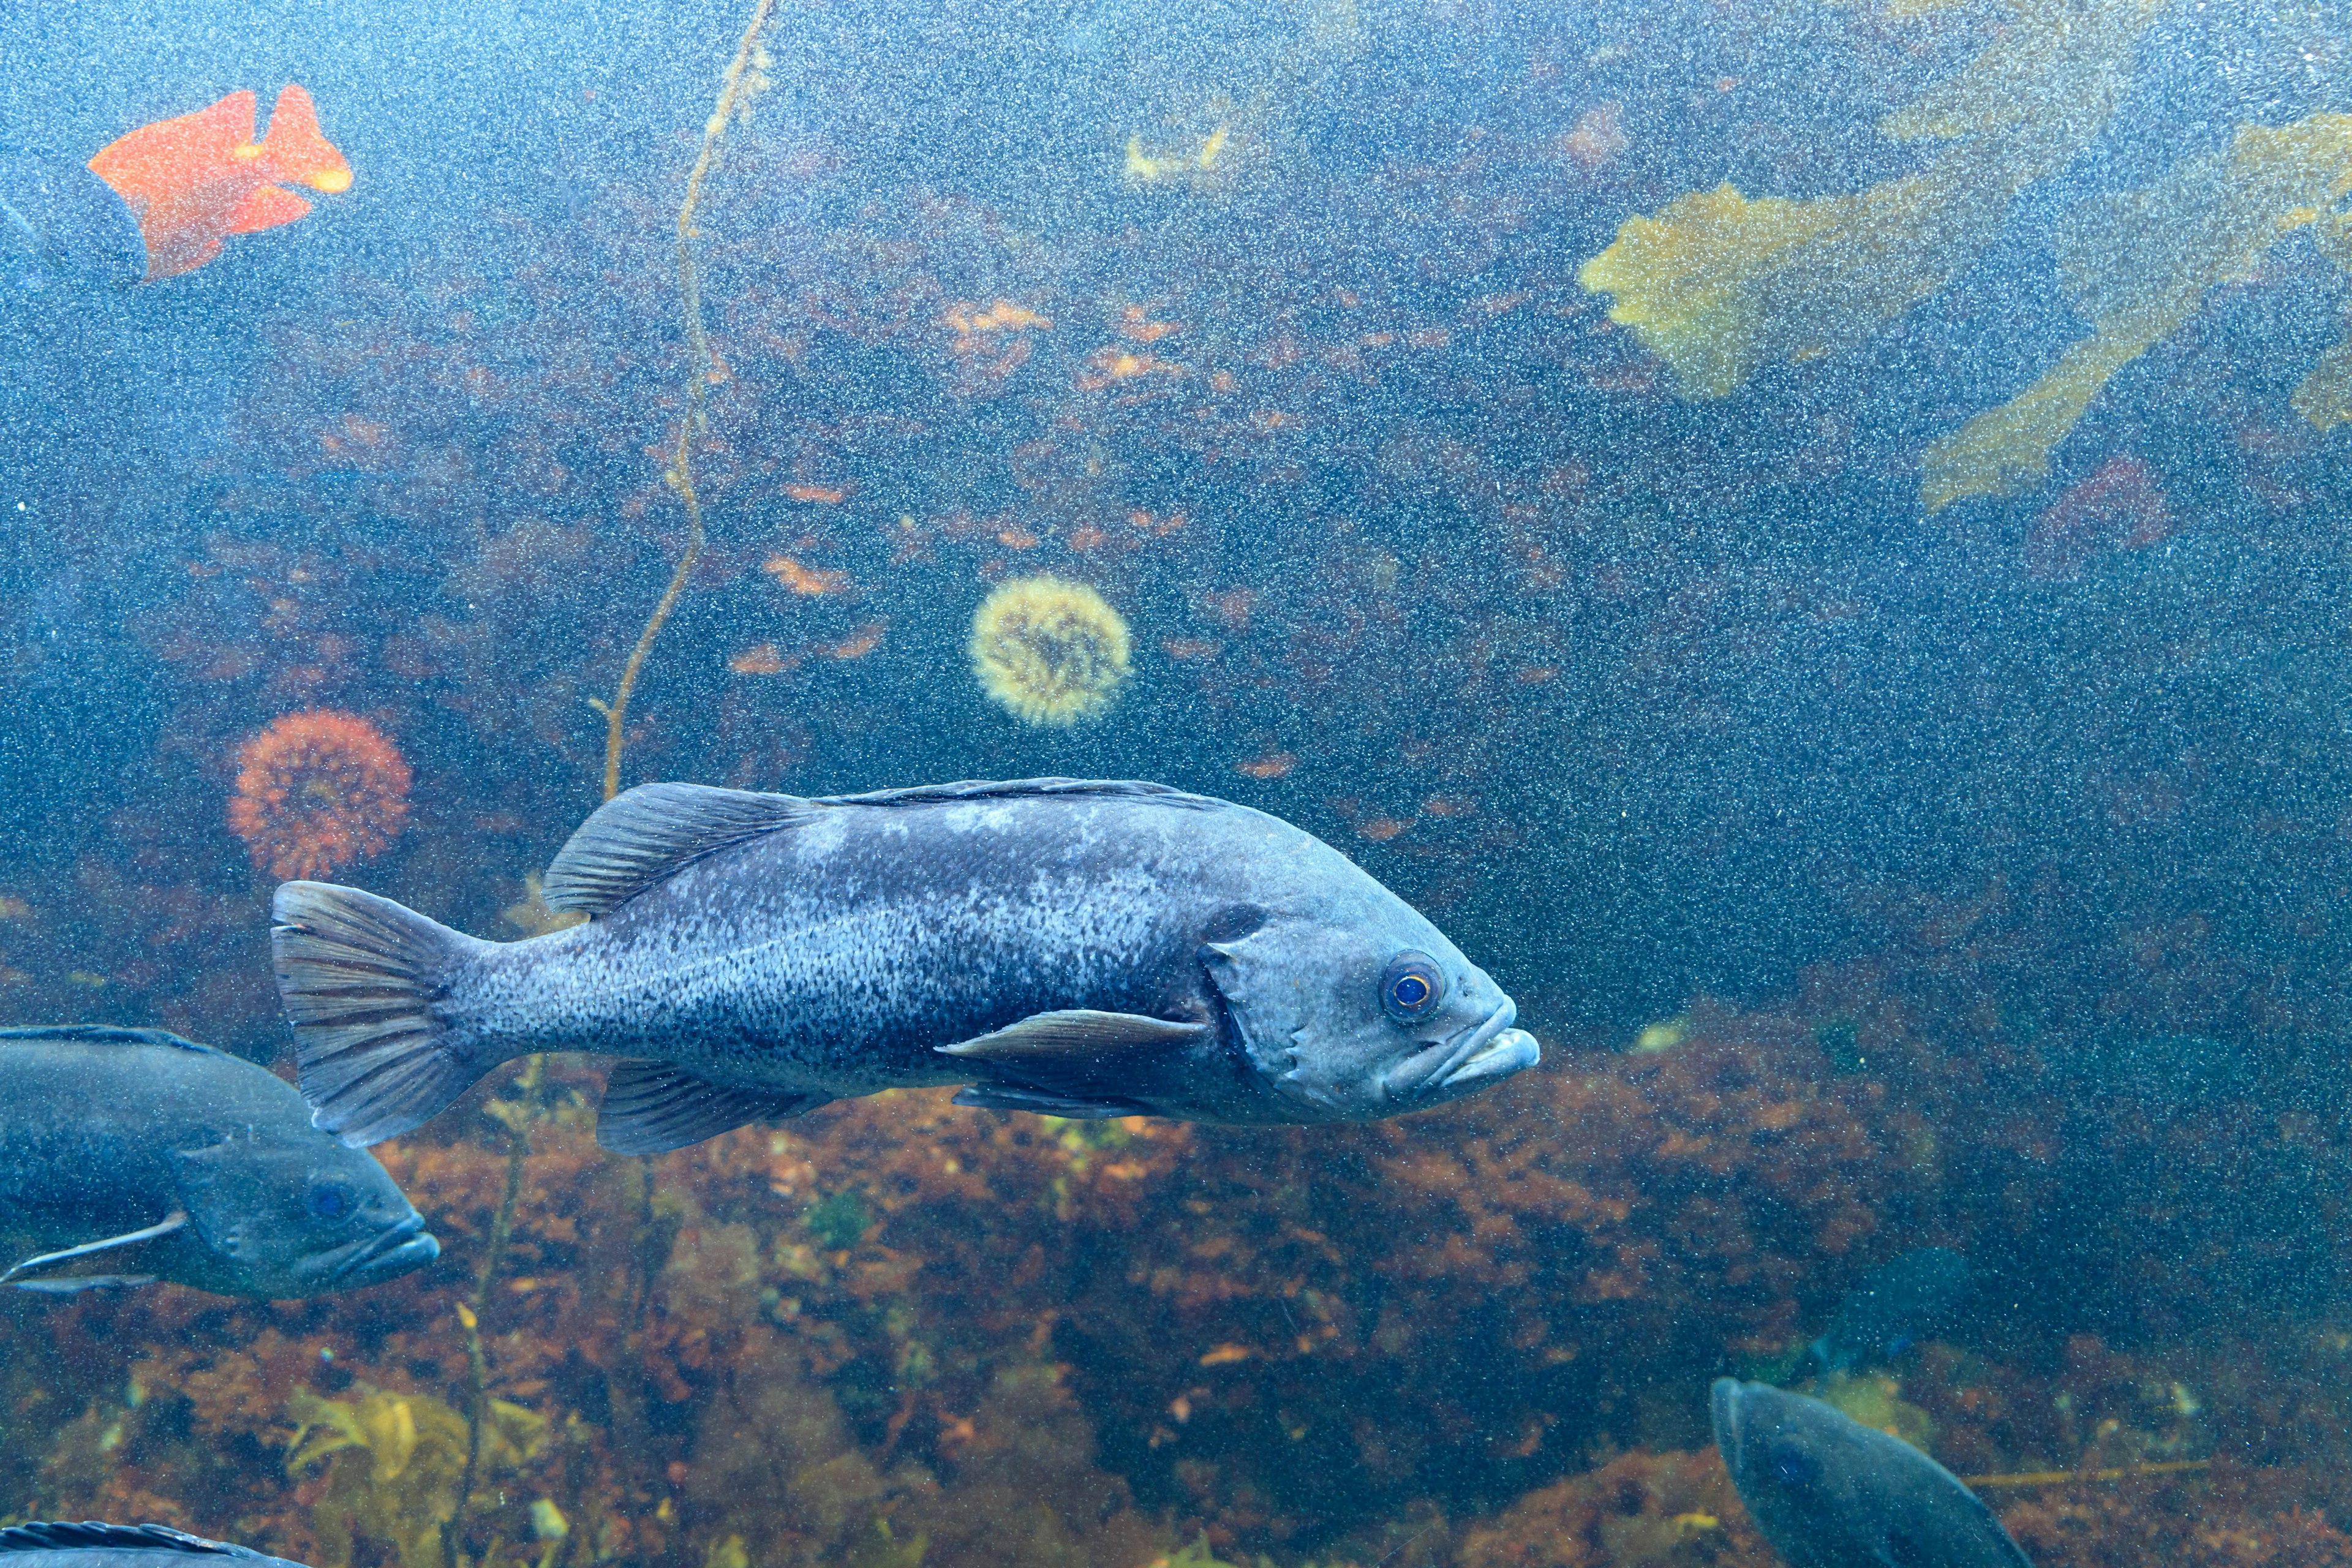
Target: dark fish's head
(1826,1490)
(1354,1006)
(1774,1447)
(284,1213)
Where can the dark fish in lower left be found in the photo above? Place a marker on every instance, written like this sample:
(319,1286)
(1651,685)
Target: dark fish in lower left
(132,1155)
(95,1545)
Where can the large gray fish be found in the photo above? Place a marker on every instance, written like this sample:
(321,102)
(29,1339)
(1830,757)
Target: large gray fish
(141,1150)
(1828,1493)
(1064,947)
(95,1545)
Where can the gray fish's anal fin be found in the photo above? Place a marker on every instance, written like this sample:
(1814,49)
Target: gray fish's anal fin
(164,1227)
(75,1284)
(1006,1096)
(651,1108)
(639,838)
(1078,1036)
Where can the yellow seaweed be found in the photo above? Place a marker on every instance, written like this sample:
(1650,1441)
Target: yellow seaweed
(2137,265)
(1718,285)
(1148,168)
(395,1464)
(2325,395)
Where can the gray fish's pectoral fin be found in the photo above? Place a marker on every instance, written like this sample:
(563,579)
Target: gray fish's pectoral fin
(74,1284)
(651,1108)
(1004,1097)
(1078,1036)
(164,1227)
(636,839)
(1076,1062)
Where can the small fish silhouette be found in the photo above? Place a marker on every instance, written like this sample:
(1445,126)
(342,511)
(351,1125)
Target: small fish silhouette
(193,180)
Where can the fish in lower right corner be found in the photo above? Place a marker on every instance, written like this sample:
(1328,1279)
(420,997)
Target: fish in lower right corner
(1828,1493)
(96,1545)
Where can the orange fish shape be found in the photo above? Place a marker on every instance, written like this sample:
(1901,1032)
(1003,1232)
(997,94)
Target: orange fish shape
(193,180)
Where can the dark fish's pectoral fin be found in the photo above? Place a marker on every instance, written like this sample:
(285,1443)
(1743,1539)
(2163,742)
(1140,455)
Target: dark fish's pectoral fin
(74,1284)
(1075,1062)
(164,1227)
(1078,1036)
(1006,1097)
(651,1108)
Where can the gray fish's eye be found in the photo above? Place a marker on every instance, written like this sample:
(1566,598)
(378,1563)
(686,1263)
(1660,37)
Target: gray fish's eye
(1412,986)
(330,1201)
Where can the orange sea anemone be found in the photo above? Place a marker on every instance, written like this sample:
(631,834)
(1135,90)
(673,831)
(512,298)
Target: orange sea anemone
(317,790)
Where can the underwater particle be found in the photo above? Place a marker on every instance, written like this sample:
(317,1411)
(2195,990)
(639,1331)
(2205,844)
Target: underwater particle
(316,790)
(1052,651)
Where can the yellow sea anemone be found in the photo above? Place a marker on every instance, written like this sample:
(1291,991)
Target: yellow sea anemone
(1051,650)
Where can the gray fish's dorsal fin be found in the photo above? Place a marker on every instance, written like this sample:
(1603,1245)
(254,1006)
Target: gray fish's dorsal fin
(101,1035)
(636,839)
(92,1536)
(1011,789)
(639,838)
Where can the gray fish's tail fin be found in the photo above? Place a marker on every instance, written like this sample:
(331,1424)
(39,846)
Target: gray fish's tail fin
(362,980)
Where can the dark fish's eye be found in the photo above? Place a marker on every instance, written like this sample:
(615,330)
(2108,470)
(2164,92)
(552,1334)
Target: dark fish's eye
(329,1201)
(1413,987)
(1793,1466)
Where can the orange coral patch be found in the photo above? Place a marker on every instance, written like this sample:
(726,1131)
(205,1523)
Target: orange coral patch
(1136,322)
(859,643)
(318,790)
(1272,765)
(1381,829)
(820,495)
(800,579)
(761,660)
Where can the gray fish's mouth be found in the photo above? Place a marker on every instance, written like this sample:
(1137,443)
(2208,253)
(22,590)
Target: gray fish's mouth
(390,1252)
(1487,1050)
